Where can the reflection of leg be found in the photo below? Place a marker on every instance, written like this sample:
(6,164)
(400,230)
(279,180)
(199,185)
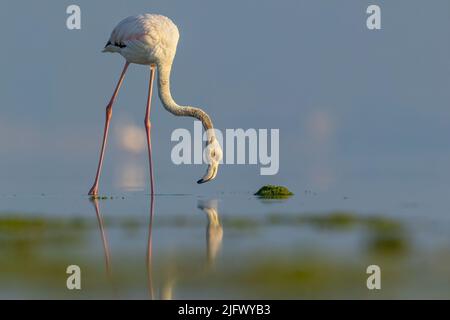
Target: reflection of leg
(149,248)
(104,238)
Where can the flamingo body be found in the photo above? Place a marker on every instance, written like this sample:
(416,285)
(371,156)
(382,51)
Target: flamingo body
(144,39)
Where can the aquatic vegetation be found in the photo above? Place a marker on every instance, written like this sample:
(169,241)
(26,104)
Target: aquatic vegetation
(20,223)
(105,198)
(36,249)
(100,198)
(337,220)
(388,243)
(303,276)
(383,224)
(130,224)
(240,223)
(333,220)
(274,192)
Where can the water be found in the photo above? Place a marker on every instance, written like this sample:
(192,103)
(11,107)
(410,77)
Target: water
(228,245)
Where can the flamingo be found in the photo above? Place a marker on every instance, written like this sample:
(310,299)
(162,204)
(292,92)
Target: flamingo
(150,39)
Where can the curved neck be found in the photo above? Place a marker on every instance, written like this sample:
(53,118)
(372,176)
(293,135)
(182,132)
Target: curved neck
(164,70)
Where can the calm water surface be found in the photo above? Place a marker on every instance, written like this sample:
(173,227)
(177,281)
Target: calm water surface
(225,245)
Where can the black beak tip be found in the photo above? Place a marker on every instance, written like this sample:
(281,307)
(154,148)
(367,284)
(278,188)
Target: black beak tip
(201,181)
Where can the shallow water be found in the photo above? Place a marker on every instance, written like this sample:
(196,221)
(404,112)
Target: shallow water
(231,245)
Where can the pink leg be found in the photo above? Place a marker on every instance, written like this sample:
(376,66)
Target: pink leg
(148,125)
(94,189)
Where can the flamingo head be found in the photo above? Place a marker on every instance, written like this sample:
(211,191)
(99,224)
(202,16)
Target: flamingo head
(213,156)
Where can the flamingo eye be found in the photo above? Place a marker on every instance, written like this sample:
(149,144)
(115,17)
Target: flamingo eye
(119,45)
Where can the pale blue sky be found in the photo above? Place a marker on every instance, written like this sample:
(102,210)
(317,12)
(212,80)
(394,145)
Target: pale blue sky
(354,107)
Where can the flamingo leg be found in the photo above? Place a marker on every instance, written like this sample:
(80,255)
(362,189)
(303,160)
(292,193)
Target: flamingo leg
(94,189)
(148,125)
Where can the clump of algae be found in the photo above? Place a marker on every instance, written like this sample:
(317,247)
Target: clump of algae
(274,192)
(105,198)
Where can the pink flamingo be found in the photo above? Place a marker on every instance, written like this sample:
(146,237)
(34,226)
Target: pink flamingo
(152,40)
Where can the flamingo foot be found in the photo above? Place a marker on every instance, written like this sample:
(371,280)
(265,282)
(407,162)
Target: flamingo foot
(93,191)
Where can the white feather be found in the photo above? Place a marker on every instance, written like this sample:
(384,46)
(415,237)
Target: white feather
(145,39)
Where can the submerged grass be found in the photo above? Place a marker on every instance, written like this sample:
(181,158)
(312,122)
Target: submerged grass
(386,236)
(19,222)
(388,243)
(337,220)
(37,249)
(334,220)
(22,233)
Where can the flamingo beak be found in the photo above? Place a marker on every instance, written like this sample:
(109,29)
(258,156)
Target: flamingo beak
(211,173)
(105,49)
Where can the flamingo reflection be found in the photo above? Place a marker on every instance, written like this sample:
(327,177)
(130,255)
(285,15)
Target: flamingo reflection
(105,242)
(149,248)
(214,236)
(214,230)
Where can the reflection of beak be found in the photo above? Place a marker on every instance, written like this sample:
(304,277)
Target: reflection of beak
(211,173)
(207,204)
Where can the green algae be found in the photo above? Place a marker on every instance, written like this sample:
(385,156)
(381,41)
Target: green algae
(274,192)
